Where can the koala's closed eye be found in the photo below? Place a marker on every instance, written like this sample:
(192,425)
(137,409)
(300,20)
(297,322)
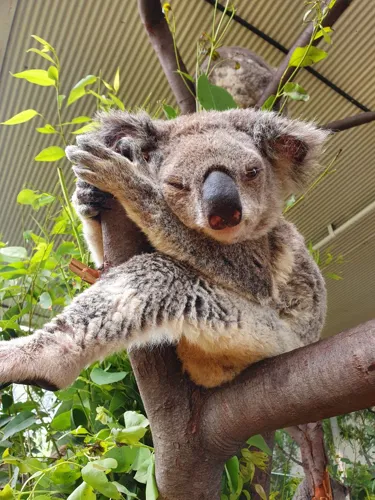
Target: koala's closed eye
(252,172)
(176,183)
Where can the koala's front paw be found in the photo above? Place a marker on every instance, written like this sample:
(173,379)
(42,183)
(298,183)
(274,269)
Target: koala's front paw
(89,201)
(97,164)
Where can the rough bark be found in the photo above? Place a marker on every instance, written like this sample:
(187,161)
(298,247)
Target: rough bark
(283,72)
(195,430)
(162,42)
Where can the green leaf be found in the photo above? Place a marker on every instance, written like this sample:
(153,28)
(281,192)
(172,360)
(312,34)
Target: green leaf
(36,76)
(233,470)
(151,488)
(124,456)
(80,119)
(61,422)
(22,117)
(7,493)
(19,423)
(116,81)
(259,442)
(306,56)
(90,127)
(93,474)
(83,492)
(45,44)
(53,153)
(185,75)
(79,89)
(117,101)
(213,97)
(334,276)
(13,254)
(53,73)
(124,490)
(47,129)
(42,54)
(295,92)
(325,34)
(100,377)
(259,489)
(269,103)
(169,112)
(132,419)
(45,300)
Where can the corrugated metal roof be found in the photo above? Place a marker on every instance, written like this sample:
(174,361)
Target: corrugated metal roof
(92,36)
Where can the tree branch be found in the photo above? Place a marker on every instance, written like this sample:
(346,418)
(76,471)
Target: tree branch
(338,377)
(339,7)
(350,122)
(161,40)
(196,430)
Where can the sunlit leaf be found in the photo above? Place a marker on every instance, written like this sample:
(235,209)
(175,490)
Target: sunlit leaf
(259,442)
(53,153)
(304,56)
(259,489)
(117,101)
(47,129)
(22,117)
(269,103)
(36,76)
(53,73)
(116,81)
(86,128)
(79,89)
(295,92)
(43,42)
(42,54)
(151,488)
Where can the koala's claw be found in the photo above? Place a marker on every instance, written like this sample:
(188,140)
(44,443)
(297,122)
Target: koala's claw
(89,201)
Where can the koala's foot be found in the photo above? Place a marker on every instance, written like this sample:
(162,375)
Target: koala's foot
(89,201)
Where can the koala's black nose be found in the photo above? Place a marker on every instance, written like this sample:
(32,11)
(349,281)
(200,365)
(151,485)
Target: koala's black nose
(221,200)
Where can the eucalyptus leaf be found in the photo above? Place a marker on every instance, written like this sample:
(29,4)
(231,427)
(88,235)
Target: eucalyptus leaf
(258,442)
(36,76)
(52,153)
(212,97)
(19,423)
(22,117)
(45,300)
(83,492)
(101,377)
(295,92)
(306,56)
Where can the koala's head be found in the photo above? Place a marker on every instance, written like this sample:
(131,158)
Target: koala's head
(225,174)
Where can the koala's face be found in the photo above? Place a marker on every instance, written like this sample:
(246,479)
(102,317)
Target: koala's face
(217,182)
(224,174)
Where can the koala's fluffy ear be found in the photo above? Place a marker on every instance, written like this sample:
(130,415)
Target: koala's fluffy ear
(293,146)
(118,124)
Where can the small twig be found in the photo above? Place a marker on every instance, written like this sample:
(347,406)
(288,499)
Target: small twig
(350,122)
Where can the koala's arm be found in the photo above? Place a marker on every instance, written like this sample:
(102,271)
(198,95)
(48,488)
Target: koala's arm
(151,299)
(303,298)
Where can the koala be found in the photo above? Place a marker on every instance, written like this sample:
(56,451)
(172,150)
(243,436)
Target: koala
(244,74)
(227,280)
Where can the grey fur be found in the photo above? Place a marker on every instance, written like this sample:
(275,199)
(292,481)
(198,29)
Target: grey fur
(237,295)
